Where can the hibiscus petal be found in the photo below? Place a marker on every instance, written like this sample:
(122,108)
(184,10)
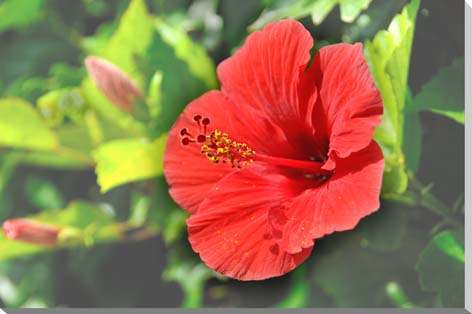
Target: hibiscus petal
(231,229)
(337,205)
(349,105)
(189,173)
(264,73)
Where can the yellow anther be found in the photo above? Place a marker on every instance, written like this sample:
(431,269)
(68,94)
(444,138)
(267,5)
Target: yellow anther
(219,147)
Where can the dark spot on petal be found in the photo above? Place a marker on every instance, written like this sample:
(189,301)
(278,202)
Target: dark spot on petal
(274,249)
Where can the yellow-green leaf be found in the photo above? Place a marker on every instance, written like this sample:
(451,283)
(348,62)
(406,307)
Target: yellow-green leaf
(22,127)
(199,63)
(20,13)
(131,39)
(388,56)
(128,160)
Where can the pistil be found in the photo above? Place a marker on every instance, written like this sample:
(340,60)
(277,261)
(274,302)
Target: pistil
(219,147)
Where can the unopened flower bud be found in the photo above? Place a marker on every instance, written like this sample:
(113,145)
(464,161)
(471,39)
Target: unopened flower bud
(31,231)
(113,82)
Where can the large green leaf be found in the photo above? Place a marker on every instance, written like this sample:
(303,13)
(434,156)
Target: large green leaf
(318,9)
(81,219)
(388,56)
(444,94)
(441,267)
(128,160)
(198,62)
(131,39)
(19,13)
(126,48)
(179,69)
(22,127)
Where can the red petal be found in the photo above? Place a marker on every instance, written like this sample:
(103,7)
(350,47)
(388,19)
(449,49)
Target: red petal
(231,229)
(188,172)
(264,73)
(349,104)
(349,195)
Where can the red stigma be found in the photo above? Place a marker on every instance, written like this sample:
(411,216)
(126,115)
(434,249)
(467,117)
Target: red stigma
(185,141)
(202,122)
(201,138)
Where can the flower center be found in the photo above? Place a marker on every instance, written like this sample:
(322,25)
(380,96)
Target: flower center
(219,147)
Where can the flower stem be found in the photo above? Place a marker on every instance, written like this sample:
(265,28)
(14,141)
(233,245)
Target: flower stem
(299,292)
(420,195)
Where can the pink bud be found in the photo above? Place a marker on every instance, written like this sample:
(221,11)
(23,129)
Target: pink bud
(31,231)
(114,83)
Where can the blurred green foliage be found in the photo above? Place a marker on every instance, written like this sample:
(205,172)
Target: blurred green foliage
(318,9)
(70,158)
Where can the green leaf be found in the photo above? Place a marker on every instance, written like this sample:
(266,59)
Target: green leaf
(398,296)
(441,267)
(22,127)
(60,103)
(43,194)
(87,219)
(412,142)
(26,283)
(19,13)
(198,62)
(131,39)
(128,160)
(175,76)
(299,291)
(445,93)
(155,94)
(350,9)
(7,167)
(126,48)
(190,274)
(458,116)
(62,159)
(174,225)
(94,97)
(318,9)
(388,56)
(79,215)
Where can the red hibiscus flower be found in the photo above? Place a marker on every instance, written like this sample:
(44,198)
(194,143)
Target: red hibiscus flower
(291,148)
